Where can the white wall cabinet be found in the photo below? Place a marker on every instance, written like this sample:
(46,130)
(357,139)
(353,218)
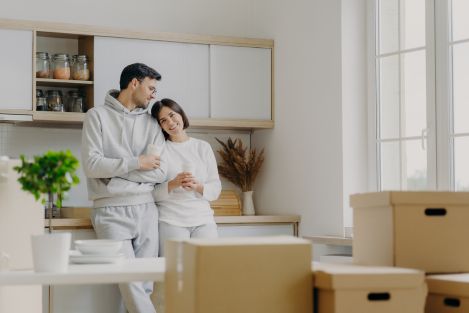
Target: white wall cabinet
(16,62)
(221,82)
(20,217)
(184,68)
(240,82)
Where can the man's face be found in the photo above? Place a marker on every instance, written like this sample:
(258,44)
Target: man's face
(145,92)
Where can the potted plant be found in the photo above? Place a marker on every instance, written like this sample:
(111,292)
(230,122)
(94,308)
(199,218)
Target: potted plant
(240,166)
(46,175)
(52,173)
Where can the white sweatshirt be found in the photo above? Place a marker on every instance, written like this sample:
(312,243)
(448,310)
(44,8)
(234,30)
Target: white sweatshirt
(112,140)
(188,208)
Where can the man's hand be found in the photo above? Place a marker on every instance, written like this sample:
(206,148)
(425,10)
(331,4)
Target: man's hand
(148,162)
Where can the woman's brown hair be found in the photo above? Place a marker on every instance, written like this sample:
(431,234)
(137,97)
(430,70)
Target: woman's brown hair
(173,105)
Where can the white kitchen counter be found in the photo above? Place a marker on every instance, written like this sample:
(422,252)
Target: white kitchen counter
(147,269)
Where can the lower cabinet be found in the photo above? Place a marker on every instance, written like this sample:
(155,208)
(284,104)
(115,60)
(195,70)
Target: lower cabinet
(106,298)
(81,298)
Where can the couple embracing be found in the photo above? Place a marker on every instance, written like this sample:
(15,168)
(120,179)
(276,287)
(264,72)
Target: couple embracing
(148,180)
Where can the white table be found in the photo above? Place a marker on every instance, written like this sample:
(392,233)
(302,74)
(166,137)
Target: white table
(146,269)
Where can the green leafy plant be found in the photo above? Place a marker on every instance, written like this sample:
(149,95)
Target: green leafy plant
(51,173)
(239,165)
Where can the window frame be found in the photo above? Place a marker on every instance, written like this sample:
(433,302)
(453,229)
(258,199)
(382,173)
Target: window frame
(433,160)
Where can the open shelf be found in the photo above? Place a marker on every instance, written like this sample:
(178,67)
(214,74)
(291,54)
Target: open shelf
(49,82)
(67,117)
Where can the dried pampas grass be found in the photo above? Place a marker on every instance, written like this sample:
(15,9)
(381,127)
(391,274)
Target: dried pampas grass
(239,165)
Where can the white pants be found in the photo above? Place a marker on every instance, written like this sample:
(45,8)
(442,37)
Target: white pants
(171,232)
(136,225)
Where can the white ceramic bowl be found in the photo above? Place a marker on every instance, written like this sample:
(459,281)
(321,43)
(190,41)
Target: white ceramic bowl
(99,246)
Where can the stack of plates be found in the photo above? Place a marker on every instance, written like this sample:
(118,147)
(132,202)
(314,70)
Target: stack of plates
(97,251)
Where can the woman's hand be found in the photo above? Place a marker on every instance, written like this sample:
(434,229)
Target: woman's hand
(179,181)
(191,184)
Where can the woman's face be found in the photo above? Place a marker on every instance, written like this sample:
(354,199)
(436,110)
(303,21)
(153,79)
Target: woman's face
(171,121)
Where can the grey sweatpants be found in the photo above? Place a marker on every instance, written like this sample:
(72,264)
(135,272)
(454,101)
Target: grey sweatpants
(171,232)
(136,226)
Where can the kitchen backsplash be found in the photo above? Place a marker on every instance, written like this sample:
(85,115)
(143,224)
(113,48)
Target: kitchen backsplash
(16,140)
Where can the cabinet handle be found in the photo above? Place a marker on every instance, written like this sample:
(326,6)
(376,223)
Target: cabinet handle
(452,302)
(379,296)
(435,212)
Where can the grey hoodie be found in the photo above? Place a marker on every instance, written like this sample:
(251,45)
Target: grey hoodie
(112,140)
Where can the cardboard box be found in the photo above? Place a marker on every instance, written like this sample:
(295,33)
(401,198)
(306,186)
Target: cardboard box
(448,293)
(341,288)
(233,275)
(419,230)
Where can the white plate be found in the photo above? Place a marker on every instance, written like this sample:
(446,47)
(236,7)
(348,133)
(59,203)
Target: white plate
(78,258)
(98,247)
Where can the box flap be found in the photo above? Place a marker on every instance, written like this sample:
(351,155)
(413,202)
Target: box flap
(450,284)
(345,276)
(384,198)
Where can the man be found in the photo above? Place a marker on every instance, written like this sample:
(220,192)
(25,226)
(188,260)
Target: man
(114,144)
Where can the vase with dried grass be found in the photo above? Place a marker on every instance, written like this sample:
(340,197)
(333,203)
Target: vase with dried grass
(240,166)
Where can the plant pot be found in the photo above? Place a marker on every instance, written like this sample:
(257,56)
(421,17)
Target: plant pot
(51,252)
(248,203)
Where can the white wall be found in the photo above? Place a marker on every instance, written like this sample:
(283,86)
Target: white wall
(304,170)
(354,102)
(30,141)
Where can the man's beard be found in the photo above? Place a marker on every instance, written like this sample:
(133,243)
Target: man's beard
(142,105)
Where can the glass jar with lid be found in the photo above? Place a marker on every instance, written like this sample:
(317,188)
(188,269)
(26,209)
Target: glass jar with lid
(42,65)
(75,101)
(54,101)
(61,65)
(41,101)
(80,70)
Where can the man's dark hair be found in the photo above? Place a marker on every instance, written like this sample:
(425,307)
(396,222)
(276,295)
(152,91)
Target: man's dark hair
(138,71)
(173,105)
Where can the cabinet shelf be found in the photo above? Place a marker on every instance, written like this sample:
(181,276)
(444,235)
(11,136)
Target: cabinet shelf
(49,82)
(66,117)
(73,117)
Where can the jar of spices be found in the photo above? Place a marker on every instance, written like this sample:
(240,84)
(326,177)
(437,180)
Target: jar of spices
(42,65)
(61,64)
(54,101)
(41,101)
(80,70)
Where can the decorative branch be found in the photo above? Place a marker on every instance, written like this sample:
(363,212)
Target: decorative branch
(238,167)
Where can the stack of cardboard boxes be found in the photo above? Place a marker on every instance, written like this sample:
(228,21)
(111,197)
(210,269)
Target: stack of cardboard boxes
(398,238)
(419,230)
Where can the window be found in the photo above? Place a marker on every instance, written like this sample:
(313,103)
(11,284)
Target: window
(420,94)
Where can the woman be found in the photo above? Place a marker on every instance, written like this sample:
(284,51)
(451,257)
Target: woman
(193,181)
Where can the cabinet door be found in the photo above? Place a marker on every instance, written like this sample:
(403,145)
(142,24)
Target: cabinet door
(184,69)
(16,62)
(103,298)
(240,82)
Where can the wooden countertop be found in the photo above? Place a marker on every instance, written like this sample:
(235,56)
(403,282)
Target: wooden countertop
(85,223)
(330,240)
